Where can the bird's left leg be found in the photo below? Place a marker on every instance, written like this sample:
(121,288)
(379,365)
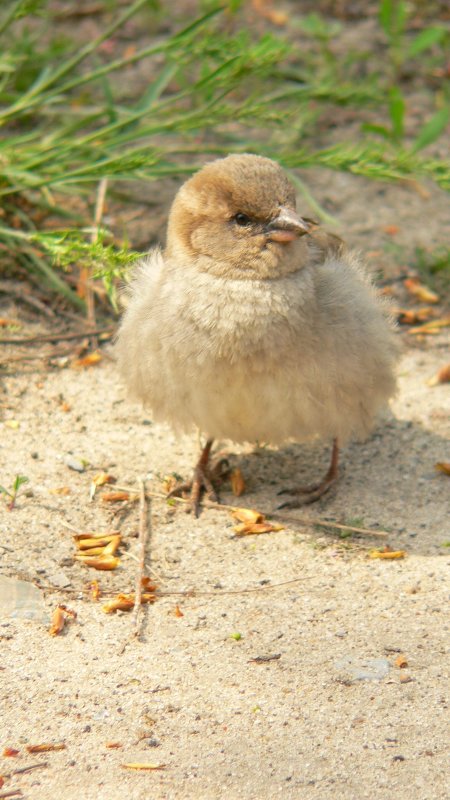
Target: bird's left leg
(203,479)
(309,494)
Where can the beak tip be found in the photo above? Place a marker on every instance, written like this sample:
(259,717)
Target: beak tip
(288,225)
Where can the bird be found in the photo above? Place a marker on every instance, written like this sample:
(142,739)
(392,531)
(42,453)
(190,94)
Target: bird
(255,325)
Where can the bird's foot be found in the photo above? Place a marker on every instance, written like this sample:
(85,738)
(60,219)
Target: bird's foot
(206,478)
(310,494)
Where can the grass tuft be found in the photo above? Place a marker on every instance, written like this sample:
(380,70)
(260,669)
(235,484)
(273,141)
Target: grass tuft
(68,121)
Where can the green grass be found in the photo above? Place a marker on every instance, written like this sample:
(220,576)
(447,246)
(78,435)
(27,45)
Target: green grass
(68,122)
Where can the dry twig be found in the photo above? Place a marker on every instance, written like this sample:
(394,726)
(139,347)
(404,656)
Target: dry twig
(22,294)
(144,534)
(85,277)
(38,356)
(58,337)
(22,770)
(306,523)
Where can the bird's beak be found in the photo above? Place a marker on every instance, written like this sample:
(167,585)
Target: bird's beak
(287,226)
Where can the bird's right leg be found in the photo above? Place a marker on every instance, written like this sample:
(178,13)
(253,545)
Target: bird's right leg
(309,494)
(203,479)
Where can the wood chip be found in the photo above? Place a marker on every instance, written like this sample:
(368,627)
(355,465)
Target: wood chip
(237,482)
(248,515)
(58,621)
(443,466)
(419,290)
(387,554)
(442,376)
(45,748)
(431,328)
(264,659)
(125,602)
(102,562)
(249,528)
(91,360)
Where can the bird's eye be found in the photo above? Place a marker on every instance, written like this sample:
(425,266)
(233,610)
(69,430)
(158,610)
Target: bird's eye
(242,219)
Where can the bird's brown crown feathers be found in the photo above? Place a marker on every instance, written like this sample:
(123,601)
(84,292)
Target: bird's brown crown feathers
(250,184)
(202,222)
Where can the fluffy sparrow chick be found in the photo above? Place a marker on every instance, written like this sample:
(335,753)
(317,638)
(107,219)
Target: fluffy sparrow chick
(253,325)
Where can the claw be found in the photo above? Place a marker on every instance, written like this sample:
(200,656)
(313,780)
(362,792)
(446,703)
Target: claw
(202,481)
(309,494)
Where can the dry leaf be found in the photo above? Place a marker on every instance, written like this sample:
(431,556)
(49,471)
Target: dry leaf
(237,482)
(419,290)
(95,590)
(432,327)
(93,551)
(247,528)
(58,621)
(148,584)
(103,477)
(248,515)
(411,316)
(10,752)
(87,361)
(111,548)
(142,765)
(99,480)
(125,602)
(401,662)
(388,554)
(113,745)
(91,535)
(60,490)
(443,466)
(104,562)
(252,522)
(86,541)
(45,748)
(114,497)
(442,376)
(178,612)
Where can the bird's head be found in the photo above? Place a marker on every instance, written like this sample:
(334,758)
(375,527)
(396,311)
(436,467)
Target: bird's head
(236,218)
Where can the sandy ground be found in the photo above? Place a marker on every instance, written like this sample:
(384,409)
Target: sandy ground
(327,712)
(332,715)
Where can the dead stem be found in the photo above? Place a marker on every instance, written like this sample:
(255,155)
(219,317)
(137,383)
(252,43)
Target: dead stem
(58,337)
(182,592)
(307,522)
(85,277)
(38,356)
(22,770)
(144,534)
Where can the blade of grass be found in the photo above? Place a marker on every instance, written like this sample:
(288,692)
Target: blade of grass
(70,63)
(316,207)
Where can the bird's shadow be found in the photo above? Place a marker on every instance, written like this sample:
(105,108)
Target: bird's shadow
(388,482)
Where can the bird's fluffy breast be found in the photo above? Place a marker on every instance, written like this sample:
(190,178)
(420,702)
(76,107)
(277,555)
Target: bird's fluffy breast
(307,354)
